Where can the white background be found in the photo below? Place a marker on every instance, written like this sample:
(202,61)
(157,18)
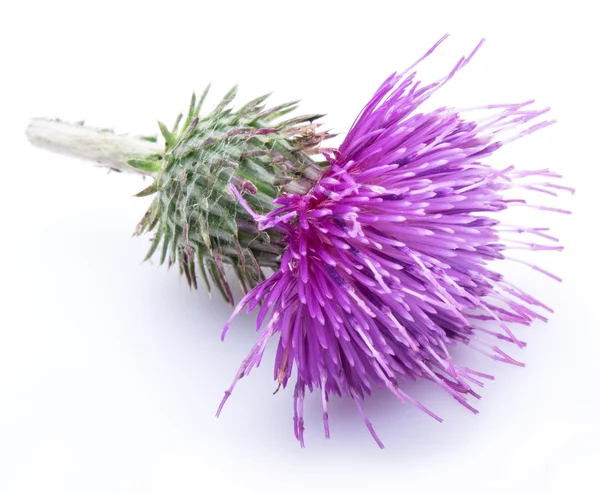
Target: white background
(111,369)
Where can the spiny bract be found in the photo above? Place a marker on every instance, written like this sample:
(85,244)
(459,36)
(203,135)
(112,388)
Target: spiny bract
(196,217)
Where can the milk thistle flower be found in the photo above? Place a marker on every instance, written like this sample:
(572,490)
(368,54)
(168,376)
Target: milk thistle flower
(382,250)
(387,259)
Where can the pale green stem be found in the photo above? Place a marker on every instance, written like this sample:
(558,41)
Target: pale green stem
(105,148)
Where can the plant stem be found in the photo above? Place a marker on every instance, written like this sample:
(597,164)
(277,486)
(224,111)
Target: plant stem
(103,147)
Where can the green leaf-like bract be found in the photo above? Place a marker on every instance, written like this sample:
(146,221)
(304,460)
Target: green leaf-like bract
(195,216)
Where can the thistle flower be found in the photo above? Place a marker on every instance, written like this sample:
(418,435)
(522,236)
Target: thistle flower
(387,258)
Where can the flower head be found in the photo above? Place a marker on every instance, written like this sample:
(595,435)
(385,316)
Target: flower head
(387,258)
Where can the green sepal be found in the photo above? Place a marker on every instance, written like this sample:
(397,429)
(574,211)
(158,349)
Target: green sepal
(167,135)
(153,188)
(145,165)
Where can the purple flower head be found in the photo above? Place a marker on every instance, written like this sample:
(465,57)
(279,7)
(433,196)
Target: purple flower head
(387,259)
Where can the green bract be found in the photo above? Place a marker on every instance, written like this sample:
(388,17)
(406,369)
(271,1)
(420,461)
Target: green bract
(196,220)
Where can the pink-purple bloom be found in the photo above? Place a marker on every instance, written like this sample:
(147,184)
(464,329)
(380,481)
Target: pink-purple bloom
(387,264)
